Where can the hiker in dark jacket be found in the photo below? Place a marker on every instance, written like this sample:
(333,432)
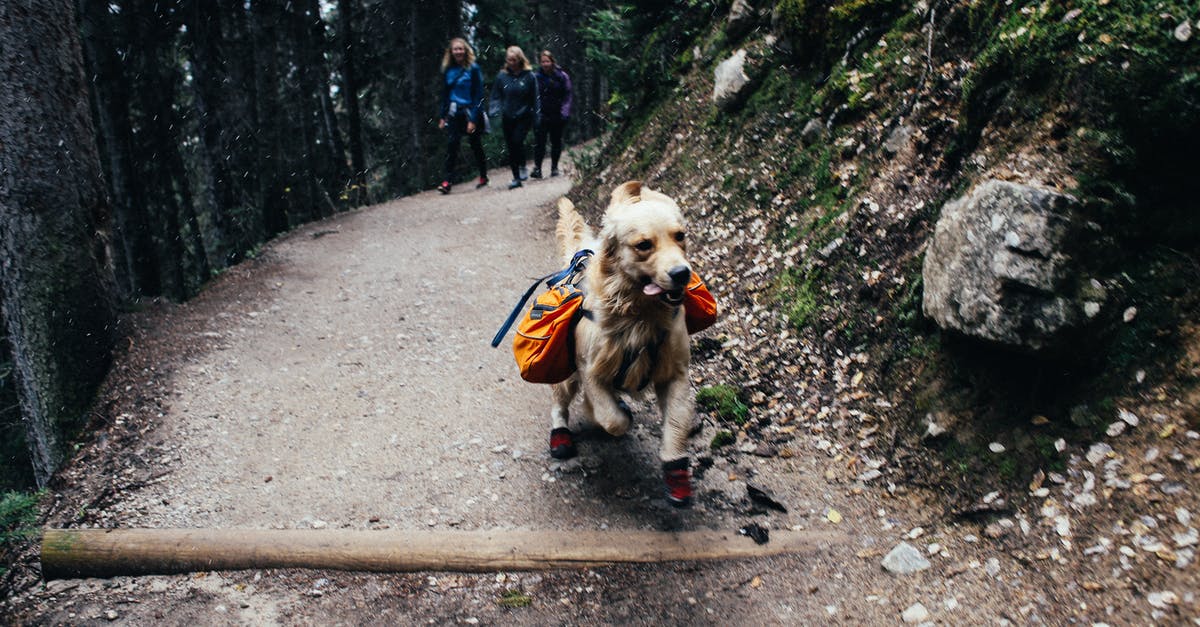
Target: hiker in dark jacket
(462,108)
(554,89)
(515,100)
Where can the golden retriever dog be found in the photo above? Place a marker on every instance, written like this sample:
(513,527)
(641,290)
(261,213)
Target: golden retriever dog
(632,332)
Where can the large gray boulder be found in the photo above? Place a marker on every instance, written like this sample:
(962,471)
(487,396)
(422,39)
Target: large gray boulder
(729,80)
(998,267)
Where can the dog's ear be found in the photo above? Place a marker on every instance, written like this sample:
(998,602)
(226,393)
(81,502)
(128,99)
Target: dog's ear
(629,191)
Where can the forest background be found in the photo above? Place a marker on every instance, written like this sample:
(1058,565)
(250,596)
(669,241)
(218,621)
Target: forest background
(175,137)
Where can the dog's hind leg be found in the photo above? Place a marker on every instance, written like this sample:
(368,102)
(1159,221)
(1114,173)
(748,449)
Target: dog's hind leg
(562,446)
(563,393)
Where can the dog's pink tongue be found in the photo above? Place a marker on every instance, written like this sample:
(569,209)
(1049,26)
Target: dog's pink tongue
(652,289)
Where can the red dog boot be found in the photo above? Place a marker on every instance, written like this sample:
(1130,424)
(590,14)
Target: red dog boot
(561,444)
(679,482)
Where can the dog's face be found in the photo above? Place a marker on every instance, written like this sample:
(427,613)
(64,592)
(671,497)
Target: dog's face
(645,242)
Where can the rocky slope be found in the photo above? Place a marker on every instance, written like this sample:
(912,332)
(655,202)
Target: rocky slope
(815,167)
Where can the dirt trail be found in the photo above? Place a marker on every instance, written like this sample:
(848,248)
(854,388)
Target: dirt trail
(345,380)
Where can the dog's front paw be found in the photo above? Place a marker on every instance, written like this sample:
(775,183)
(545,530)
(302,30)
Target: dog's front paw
(678,477)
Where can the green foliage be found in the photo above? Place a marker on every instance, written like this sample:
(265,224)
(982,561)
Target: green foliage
(725,401)
(722,438)
(18,516)
(823,29)
(514,598)
(1119,68)
(642,47)
(798,297)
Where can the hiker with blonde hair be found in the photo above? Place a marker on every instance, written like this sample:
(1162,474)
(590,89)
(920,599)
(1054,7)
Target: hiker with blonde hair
(515,100)
(462,108)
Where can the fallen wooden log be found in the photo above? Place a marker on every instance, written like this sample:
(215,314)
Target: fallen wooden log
(111,552)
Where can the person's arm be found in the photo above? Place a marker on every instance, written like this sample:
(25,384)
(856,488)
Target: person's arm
(495,107)
(444,110)
(476,93)
(566,105)
(537,102)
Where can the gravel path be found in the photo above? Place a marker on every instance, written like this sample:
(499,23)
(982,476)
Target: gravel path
(345,380)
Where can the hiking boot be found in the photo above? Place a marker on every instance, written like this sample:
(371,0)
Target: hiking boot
(483,181)
(524,173)
(536,174)
(515,184)
(679,482)
(444,187)
(561,444)
(554,172)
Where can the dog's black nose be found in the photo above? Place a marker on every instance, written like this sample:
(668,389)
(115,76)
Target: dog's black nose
(680,275)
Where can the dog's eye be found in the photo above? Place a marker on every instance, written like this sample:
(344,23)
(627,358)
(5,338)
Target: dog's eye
(679,237)
(644,245)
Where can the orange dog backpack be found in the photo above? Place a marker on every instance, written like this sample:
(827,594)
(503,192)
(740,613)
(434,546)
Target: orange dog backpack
(544,342)
(544,345)
(699,306)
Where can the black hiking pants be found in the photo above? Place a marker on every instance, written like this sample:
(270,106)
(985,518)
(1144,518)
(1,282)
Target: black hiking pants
(515,131)
(552,126)
(455,129)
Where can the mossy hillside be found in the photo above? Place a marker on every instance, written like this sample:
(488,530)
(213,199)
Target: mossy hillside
(1132,91)
(843,265)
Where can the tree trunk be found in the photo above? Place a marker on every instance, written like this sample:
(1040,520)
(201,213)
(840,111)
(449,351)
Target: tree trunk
(137,264)
(203,20)
(56,286)
(264,18)
(348,36)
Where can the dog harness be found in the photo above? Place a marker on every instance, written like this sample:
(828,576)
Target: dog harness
(545,339)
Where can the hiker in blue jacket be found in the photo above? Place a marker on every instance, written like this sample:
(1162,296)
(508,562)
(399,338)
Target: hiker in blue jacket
(462,108)
(515,99)
(554,89)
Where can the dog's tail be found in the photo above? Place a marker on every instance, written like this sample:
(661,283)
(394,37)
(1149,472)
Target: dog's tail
(572,233)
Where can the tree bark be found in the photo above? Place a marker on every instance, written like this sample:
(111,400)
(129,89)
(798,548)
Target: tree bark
(348,36)
(56,285)
(137,263)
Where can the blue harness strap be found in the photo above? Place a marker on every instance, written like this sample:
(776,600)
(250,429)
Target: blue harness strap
(578,262)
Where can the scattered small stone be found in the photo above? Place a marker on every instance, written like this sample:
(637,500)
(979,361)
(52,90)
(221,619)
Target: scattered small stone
(1128,417)
(905,559)
(992,568)
(1129,314)
(1183,32)
(111,615)
(1115,429)
(916,613)
(1186,538)
(319,524)
(813,131)
(1162,600)
(1060,445)
(934,549)
(996,447)
(1097,452)
(994,530)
